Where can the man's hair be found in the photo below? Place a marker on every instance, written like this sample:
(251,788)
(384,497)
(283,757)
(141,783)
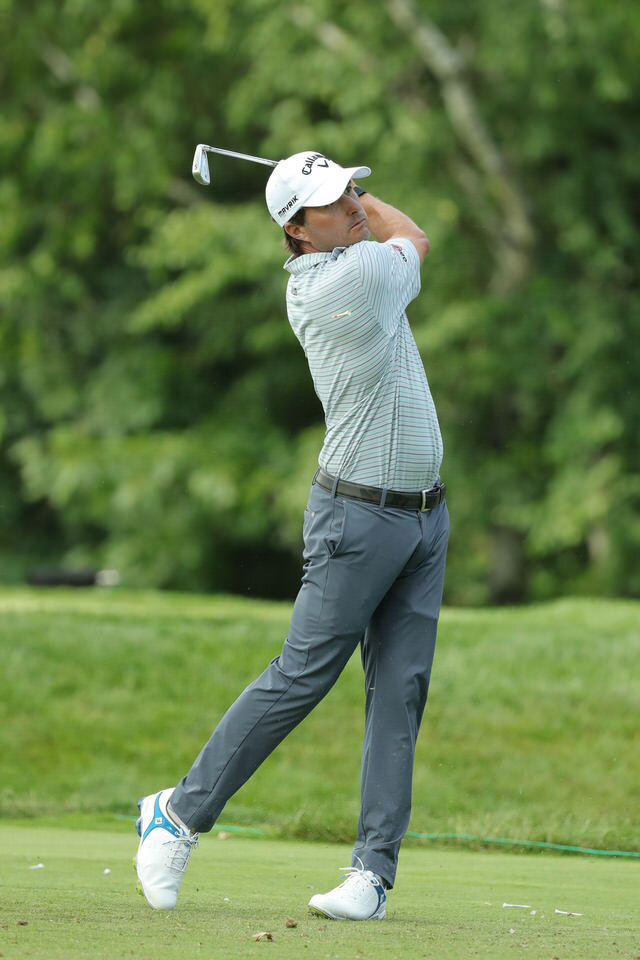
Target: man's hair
(291,244)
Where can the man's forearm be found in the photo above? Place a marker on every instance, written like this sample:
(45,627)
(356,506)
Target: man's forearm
(386,222)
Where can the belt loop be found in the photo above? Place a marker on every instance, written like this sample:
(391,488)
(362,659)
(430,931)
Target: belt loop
(314,476)
(383,498)
(336,480)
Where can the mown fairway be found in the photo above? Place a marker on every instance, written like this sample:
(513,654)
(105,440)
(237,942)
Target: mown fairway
(447,904)
(531,730)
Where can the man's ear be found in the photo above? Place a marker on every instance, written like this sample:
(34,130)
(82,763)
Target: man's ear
(296,230)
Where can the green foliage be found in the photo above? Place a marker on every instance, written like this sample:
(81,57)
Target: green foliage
(157,413)
(513,745)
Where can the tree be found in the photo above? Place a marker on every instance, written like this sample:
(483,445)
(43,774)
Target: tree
(159,414)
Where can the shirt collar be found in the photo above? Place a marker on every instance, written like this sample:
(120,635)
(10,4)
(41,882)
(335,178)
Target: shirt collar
(305,261)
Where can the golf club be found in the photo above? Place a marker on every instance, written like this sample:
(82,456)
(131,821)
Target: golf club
(200,166)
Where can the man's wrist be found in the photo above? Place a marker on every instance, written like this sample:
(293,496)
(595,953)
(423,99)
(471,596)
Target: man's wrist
(359,191)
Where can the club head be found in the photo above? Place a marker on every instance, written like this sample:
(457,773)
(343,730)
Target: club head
(200,166)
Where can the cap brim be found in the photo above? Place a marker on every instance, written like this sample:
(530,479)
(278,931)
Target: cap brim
(328,192)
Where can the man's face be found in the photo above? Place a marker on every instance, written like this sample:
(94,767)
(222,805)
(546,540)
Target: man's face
(339,224)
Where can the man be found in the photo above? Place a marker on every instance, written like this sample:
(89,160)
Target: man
(375,537)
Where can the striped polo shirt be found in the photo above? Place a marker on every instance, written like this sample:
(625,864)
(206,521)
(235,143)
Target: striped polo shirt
(347,309)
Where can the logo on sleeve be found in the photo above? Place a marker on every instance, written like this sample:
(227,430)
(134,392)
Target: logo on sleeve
(400,251)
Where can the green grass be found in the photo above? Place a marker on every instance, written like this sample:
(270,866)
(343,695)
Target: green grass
(531,730)
(446,905)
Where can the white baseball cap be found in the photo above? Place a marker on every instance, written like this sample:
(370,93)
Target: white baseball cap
(307,179)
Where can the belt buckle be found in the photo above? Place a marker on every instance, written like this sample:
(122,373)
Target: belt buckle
(423,505)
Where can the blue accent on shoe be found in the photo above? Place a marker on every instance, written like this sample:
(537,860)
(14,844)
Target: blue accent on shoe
(382,896)
(159,820)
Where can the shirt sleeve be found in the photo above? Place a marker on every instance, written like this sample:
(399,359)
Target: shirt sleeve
(390,274)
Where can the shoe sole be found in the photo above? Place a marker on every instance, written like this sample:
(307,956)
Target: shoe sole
(134,859)
(316,912)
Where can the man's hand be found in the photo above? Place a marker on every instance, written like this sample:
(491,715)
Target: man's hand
(386,222)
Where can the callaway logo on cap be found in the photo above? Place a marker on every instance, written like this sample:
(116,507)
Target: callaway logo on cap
(307,179)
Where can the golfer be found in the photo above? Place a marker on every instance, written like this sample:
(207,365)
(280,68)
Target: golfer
(375,537)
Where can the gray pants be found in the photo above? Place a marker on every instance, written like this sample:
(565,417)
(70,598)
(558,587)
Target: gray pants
(373,576)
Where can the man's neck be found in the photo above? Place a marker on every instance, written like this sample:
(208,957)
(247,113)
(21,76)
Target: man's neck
(306,247)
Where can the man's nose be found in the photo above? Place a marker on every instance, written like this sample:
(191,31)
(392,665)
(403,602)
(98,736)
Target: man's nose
(350,202)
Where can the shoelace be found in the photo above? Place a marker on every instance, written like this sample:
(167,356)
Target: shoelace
(182,847)
(349,873)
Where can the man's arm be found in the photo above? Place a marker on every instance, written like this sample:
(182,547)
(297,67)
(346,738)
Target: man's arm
(385,223)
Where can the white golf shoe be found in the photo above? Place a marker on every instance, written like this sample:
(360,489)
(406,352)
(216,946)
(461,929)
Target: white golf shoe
(360,897)
(163,852)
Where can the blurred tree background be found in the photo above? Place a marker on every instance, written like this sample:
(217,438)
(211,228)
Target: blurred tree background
(157,414)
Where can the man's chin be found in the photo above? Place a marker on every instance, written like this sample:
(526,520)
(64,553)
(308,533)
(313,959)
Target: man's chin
(357,234)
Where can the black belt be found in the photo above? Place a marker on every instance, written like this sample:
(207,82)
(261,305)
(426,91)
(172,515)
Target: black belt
(424,500)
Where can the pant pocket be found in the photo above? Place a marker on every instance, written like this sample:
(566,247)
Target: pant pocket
(323,526)
(335,538)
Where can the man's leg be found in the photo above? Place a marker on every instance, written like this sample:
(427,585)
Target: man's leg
(349,565)
(325,628)
(397,653)
(353,553)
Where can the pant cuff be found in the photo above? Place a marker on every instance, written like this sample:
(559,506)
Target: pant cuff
(380,861)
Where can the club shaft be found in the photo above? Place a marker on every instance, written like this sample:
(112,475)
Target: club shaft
(240,156)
